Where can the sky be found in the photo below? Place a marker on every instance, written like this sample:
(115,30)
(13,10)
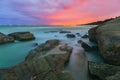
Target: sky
(56,12)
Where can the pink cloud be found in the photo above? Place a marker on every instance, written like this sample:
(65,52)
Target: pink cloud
(65,11)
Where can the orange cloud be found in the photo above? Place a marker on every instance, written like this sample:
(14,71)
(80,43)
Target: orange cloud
(58,12)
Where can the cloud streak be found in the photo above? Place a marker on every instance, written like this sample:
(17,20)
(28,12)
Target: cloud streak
(57,12)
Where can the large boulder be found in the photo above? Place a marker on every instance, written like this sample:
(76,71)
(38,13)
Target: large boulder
(22,36)
(41,64)
(5,39)
(108,39)
(104,71)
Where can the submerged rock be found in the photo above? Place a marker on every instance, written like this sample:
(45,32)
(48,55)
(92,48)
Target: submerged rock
(78,34)
(70,36)
(35,44)
(22,36)
(65,32)
(51,31)
(104,71)
(41,64)
(5,39)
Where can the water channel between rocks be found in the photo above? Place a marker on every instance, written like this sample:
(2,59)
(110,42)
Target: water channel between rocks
(14,53)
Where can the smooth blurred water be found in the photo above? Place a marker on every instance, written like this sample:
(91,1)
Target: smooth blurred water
(14,53)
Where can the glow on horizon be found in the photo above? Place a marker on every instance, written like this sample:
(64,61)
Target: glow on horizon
(57,12)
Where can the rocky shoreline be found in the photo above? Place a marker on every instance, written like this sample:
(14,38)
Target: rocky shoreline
(107,37)
(41,66)
(47,61)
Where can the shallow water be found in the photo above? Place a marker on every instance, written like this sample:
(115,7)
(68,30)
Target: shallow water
(14,53)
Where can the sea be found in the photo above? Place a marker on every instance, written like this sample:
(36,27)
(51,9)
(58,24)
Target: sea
(12,54)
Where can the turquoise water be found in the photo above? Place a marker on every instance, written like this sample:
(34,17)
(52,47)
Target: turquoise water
(14,53)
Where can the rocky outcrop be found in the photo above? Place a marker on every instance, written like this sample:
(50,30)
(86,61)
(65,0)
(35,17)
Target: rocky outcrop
(46,62)
(104,71)
(22,36)
(108,39)
(5,39)
(70,36)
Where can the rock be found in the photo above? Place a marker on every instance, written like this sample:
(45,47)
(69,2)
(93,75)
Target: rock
(48,45)
(80,41)
(85,45)
(63,47)
(35,44)
(114,77)
(65,32)
(5,39)
(104,71)
(108,39)
(85,36)
(22,36)
(78,34)
(94,47)
(92,34)
(40,65)
(70,36)
(53,42)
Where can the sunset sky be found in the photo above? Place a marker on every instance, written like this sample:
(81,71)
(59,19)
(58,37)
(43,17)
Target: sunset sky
(57,12)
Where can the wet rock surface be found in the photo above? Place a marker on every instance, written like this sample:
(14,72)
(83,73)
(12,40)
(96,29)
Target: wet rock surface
(5,39)
(22,36)
(46,62)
